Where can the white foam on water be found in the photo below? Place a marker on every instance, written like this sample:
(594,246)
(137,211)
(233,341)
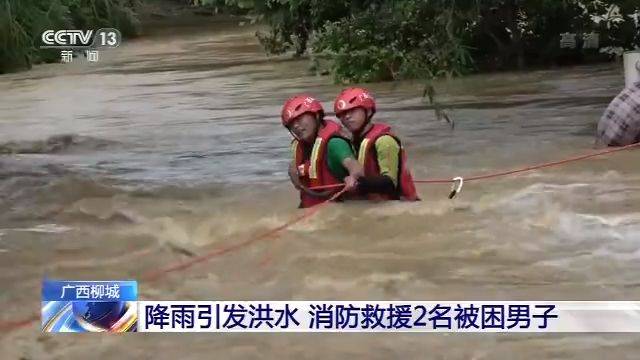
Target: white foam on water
(531,195)
(44,228)
(431,207)
(104,210)
(584,238)
(361,255)
(127,256)
(2,250)
(323,219)
(190,232)
(371,279)
(614,220)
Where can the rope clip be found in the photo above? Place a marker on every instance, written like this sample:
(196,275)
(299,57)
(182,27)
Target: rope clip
(456,187)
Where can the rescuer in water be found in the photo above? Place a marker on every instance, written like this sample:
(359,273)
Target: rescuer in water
(386,175)
(322,154)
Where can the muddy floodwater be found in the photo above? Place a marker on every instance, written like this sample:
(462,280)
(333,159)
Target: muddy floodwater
(166,149)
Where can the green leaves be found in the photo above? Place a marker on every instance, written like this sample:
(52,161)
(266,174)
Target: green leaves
(389,42)
(376,40)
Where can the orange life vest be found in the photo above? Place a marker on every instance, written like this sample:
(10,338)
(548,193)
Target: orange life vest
(368,158)
(313,167)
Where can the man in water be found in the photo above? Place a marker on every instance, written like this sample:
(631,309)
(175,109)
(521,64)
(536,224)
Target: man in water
(322,154)
(386,176)
(620,123)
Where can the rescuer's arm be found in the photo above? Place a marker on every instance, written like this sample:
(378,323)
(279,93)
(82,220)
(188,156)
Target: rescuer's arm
(342,162)
(356,173)
(293,175)
(388,157)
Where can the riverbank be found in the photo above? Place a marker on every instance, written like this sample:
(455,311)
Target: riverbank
(25,21)
(394,42)
(164,17)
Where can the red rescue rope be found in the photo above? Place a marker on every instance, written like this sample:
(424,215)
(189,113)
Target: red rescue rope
(158,274)
(155,275)
(509,172)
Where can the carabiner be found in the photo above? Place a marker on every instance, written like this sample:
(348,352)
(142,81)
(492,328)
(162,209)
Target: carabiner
(456,187)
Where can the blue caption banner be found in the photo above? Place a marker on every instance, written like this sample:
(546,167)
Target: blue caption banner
(89,306)
(65,290)
(306,316)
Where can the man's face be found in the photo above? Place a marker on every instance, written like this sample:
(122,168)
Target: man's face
(354,119)
(305,127)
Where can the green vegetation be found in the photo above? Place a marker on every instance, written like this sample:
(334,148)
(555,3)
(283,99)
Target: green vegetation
(394,40)
(379,40)
(368,40)
(374,40)
(23,21)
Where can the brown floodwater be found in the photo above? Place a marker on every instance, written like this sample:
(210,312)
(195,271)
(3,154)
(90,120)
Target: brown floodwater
(170,147)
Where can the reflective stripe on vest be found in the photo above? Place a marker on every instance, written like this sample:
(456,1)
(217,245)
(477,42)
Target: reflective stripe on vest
(367,158)
(313,169)
(362,151)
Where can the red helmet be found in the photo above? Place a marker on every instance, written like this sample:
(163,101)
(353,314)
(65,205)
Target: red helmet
(353,98)
(299,105)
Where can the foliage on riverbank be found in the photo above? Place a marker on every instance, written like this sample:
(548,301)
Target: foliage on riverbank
(373,40)
(369,40)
